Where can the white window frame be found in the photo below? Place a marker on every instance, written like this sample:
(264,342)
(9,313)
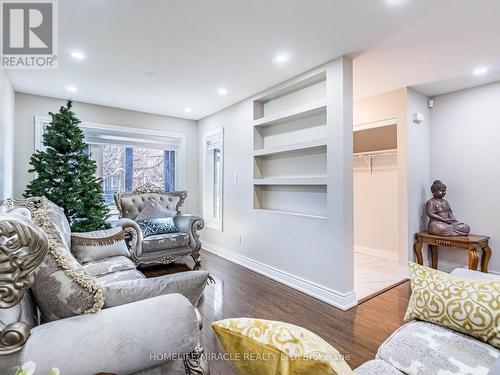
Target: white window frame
(209,137)
(163,139)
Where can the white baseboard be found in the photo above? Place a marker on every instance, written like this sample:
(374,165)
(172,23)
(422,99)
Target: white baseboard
(343,301)
(373,251)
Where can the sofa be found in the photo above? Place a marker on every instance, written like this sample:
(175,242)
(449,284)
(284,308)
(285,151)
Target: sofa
(464,303)
(102,316)
(160,248)
(421,348)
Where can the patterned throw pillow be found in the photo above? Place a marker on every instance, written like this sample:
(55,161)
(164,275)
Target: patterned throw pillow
(470,306)
(150,227)
(153,209)
(258,346)
(99,244)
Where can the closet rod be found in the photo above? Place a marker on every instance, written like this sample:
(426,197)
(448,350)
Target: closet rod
(376,153)
(369,155)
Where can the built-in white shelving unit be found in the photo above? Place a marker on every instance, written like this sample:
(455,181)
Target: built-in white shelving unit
(290,146)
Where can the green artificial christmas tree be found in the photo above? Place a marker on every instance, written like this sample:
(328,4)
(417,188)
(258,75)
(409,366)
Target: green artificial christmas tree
(66,174)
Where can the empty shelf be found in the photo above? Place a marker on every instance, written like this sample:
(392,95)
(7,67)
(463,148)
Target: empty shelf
(293,113)
(290,148)
(292,213)
(308,180)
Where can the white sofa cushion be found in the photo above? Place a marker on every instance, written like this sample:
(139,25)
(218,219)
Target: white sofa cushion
(190,284)
(121,276)
(119,340)
(464,272)
(165,241)
(377,367)
(109,265)
(421,348)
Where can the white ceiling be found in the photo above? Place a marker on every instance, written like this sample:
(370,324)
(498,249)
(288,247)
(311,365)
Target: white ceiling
(197,46)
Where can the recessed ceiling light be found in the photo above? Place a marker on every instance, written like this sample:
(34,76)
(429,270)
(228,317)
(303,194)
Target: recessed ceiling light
(480,71)
(396,2)
(188,109)
(281,58)
(78,55)
(151,74)
(71,88)
(221,91)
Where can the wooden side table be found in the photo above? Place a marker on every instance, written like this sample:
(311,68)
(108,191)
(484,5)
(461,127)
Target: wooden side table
(473,243)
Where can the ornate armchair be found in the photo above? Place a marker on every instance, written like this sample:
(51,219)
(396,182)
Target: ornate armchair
(111,340)
(161,248)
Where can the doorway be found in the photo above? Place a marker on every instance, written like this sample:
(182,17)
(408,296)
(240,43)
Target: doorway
(376,207)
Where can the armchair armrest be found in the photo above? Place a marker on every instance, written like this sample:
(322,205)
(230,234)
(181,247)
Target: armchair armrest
(133,236)
(118,340)
(190,284)
(190,224)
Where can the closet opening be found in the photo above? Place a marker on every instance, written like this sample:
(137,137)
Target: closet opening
(376,207)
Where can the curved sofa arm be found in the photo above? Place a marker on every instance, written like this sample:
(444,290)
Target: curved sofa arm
(115,340)
(190,224)
(190,284)
(133,234)
(23,247)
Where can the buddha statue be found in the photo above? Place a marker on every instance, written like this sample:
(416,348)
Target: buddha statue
(442,222)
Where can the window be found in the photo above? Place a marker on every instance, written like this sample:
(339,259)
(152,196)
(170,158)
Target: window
(126,168)
(213,178)
(127,158)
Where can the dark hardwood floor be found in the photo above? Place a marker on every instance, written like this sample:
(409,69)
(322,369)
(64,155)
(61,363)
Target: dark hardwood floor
(238,292)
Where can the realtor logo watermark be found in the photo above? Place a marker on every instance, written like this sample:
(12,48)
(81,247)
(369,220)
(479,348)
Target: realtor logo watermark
(29,34)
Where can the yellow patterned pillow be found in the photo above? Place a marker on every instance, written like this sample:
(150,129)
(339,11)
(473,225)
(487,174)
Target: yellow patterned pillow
(470,306)
(264,347)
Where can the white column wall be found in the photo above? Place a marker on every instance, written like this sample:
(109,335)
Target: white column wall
(7,109)
(310,254)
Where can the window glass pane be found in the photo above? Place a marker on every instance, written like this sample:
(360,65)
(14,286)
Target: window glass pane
(217,184)
(123,169)
(148,167)
(111,164)
(213,159)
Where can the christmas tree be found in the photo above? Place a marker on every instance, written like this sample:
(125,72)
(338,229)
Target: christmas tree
(66,174)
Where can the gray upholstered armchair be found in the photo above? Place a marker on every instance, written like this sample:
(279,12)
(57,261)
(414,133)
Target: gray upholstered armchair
(78,318)
(160,248)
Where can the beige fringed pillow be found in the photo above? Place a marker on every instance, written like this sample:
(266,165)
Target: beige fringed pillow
(99,244)
(470,306)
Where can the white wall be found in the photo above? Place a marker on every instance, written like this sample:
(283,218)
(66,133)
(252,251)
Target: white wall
(465,151)
(7,98)
(27,106)
(418,164)
(316,253)
(375,195)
